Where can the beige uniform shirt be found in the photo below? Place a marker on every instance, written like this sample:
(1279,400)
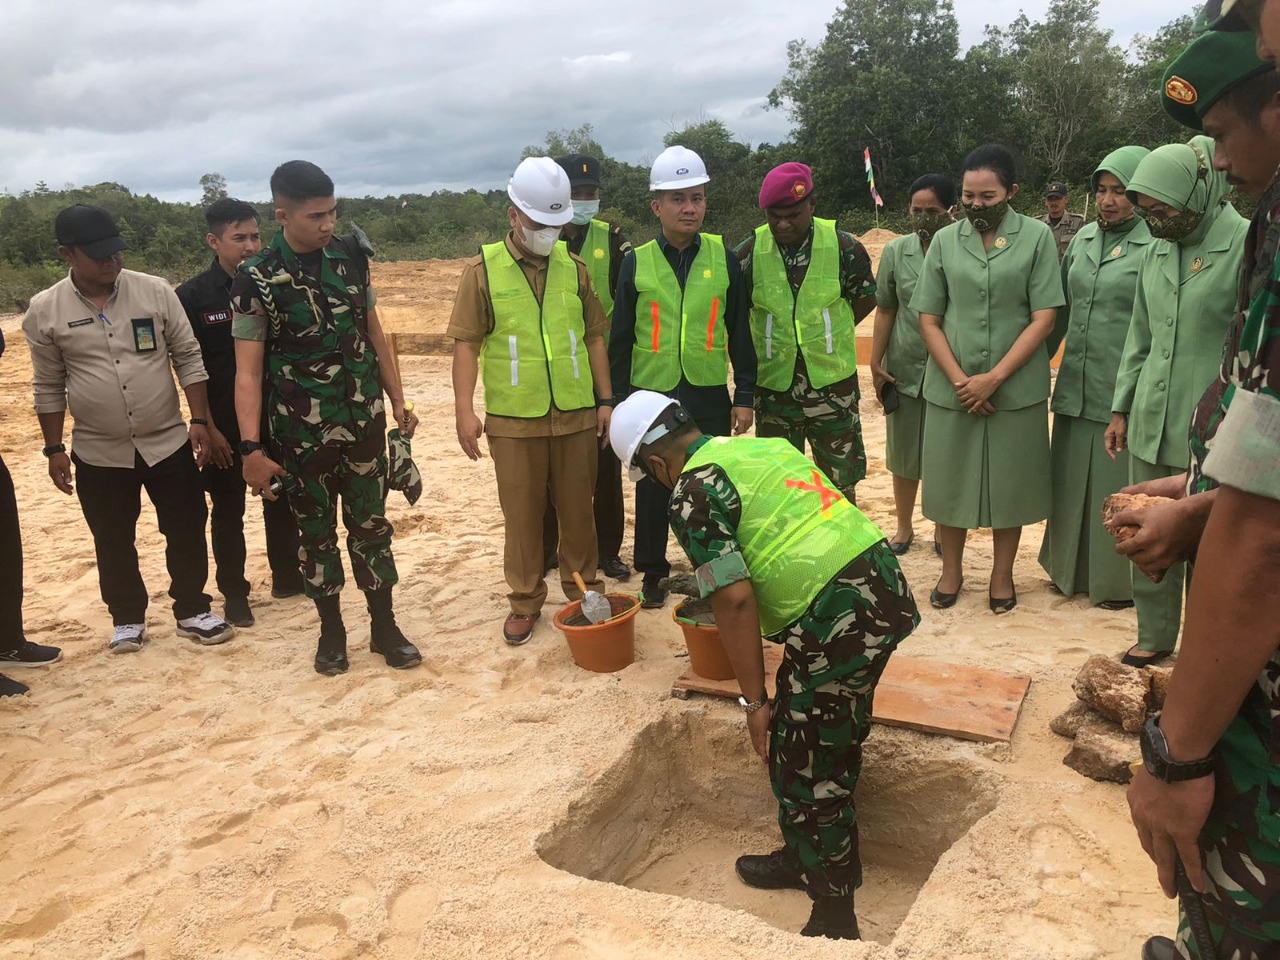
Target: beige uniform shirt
(472,321)
(1064,230)
(113,367)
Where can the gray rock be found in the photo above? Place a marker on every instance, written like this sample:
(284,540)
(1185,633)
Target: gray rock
(1103,752)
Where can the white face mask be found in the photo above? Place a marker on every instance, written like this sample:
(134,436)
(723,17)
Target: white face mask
(585,210)
(539,242)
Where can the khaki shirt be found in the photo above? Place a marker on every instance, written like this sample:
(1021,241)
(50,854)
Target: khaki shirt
(473,321)
(115,374)
(1064,230)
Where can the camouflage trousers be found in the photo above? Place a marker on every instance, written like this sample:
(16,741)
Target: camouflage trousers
(817,731)
(827,418)
(356,473)
(1240,841)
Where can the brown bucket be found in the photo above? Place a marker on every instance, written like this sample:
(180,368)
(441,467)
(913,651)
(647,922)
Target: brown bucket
(602,647)
(706,652)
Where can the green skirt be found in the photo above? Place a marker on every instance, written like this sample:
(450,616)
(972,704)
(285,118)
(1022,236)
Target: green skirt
(986,471)
(1078,553)
(904,437)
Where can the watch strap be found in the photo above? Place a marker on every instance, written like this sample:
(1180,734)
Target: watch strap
(54,448)
(1155,757)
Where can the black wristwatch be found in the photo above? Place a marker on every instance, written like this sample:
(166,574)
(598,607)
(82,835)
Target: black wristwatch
(606,401)
(1155,757)
(53,448)
(250,446)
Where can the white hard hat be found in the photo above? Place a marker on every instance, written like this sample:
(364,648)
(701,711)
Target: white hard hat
(540,188)
(677,168)
(631,424)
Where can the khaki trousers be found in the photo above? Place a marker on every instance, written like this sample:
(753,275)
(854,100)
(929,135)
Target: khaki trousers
(528,470)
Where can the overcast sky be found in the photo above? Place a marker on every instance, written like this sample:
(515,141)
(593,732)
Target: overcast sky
(394,96)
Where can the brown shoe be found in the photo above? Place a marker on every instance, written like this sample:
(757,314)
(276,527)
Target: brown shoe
(518,627)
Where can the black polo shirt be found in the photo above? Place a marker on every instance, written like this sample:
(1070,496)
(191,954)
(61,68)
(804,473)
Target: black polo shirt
(207,300)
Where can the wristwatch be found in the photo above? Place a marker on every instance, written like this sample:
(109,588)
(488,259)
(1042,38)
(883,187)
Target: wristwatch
(1155,757)
(607,402)
(752,706)
(53,448)
(251,446)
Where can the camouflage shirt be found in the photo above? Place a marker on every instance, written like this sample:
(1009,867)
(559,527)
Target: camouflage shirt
(321,365)
(870,592)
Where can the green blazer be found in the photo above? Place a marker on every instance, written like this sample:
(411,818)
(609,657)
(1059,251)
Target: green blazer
(986,299)
(1185,300)
(1100,274)
(906,356)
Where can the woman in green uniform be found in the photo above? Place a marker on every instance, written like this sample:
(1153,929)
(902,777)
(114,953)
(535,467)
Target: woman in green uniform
(1185,300)
(898,355)
(987,296)
(1100,274)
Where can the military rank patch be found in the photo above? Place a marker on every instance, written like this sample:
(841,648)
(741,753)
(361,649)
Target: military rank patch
(1180,91)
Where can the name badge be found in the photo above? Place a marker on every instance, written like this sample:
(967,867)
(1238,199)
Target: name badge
(217,316)
(144,334)
(80,323)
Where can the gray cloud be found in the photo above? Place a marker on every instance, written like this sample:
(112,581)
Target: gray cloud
(389,96)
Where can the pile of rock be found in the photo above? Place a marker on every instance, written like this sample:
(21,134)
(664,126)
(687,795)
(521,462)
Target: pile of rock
(1114,702)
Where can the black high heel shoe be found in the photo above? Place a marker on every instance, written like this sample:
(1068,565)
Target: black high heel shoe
(941,601)
(1002,606)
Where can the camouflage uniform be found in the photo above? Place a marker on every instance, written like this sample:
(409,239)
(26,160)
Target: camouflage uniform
(1241,838)
(326,415)
(833,655)
(827,418)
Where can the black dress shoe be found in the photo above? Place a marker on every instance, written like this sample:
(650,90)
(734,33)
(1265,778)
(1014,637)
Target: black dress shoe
(614,567)
(1116,605)
(1002,606)
(898,549)
(1131,659)
(779,870)
(282,590)
(941,601)
(331,651)
(395,649)
(833,918)
(1159,948)
(653,594)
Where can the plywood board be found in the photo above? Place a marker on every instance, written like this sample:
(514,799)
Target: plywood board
(915,692)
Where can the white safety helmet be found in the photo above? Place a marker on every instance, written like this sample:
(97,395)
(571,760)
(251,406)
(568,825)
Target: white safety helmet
(677,168)
(540,188)
(635,423)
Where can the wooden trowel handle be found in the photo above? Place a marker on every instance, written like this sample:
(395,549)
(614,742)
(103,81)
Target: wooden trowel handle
(577,578)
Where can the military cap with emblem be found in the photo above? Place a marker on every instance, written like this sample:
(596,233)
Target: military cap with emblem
(1211,67)
(786,185)
(583,170)
(1056,189)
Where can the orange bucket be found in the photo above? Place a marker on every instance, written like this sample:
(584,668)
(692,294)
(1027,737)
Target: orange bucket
(602,647)
(706,652)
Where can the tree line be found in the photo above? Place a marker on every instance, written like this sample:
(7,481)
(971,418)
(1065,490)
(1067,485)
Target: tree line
(888,76)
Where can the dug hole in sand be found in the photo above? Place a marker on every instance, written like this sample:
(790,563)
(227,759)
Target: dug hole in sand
(189,803)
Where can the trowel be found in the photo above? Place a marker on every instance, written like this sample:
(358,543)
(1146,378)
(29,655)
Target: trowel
(595,606)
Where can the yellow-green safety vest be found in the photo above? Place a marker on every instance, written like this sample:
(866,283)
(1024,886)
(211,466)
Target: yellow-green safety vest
(680,329)
(817,320)
(595,254)
(536,351)
(797,530)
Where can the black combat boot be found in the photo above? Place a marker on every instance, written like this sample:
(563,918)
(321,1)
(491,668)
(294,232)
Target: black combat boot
(832,917)
(331,652)
(385,636)
(779,870)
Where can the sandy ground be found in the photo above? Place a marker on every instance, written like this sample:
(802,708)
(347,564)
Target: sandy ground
(190,802)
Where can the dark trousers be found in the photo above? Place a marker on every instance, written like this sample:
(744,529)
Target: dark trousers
(11,637)
(607,502)
(652,501)
(228,493)
(111,498)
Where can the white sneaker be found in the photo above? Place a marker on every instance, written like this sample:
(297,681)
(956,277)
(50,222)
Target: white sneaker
(206,628)
(128,638)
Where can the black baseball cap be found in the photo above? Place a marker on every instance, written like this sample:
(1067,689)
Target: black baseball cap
(1056,189)
(91,229)
(583,170)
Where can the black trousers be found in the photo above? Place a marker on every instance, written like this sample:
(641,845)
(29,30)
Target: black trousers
(607,503)
(228,493)
(652,501)
(111,498)
(11,637)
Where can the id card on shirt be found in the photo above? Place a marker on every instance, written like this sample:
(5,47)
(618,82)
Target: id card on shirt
(144,334)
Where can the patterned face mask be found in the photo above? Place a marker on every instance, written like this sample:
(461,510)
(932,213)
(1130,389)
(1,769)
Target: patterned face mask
(926,225)
(1105,225)
(1172,229)
(986,218)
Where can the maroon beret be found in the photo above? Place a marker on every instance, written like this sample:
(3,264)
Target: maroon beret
(786,185)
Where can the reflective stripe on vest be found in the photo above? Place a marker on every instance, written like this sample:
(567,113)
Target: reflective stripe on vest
(680,329)
(595,254)
(817,319)
(797,531)
(535,351)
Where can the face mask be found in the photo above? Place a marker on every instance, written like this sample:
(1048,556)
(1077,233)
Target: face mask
(1105,225)
(1174,228)
(926,225)
(986,218)
(539,242)
(584,210)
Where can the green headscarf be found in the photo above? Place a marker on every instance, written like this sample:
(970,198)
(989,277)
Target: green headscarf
(1120,163)
(1182,175)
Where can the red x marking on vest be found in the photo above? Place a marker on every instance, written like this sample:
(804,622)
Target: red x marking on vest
(829,497)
